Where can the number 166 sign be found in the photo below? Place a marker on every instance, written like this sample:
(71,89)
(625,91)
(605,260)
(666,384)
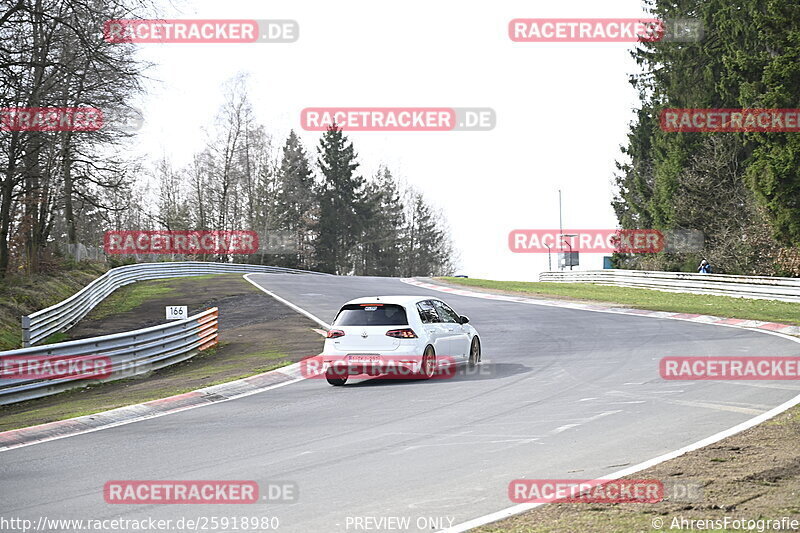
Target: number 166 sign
(177,312)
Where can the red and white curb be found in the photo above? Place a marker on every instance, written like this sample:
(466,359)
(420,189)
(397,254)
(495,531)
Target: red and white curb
(17,438)
(689,317)
(773,328)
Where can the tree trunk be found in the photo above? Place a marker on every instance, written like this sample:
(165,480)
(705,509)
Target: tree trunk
(72,233)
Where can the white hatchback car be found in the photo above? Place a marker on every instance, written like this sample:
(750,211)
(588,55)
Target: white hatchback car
(377,335)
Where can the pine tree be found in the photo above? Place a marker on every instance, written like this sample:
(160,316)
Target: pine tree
(746,59)
(428,250)
(295,198)
(341,208)
(382,243)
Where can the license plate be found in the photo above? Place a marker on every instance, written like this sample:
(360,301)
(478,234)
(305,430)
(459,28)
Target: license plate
(363,358)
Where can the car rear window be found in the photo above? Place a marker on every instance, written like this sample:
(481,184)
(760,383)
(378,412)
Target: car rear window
(371,315)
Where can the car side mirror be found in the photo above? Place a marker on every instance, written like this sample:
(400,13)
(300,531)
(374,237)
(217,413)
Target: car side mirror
(463,319)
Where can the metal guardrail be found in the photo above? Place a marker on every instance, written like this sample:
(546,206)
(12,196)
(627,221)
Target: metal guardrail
(758,287)
(65,314)
(128,354)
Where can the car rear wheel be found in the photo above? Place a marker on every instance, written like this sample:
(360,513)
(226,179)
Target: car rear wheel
(428,366)
(336,378)
(474,352)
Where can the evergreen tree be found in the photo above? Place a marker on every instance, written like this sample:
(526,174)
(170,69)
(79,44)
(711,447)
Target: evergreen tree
(341,208)
(381,247)
(295,196)
(428,250)
(729,190)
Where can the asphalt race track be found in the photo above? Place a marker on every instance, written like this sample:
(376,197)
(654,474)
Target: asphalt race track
(561,394)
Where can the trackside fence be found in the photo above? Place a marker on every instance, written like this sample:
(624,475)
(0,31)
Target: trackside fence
(758,287)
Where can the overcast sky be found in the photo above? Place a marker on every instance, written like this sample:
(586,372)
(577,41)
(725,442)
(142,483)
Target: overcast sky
(562,108)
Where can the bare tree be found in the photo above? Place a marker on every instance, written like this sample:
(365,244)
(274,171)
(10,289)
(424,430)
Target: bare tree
(54,56)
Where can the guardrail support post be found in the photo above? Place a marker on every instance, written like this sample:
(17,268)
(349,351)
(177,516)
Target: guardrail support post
(26,331)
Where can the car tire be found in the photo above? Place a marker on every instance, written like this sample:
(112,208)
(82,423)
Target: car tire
(428,364)
(335,378)
(474,353)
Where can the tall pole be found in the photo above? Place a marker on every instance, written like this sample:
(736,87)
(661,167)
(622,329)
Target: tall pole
(560,231)
(560,227)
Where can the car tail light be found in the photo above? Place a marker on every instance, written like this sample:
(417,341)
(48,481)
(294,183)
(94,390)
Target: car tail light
(334,334)
(406,333)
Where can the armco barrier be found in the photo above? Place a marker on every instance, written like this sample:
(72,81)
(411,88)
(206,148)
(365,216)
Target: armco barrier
(129,353)
(759,287)
(63,315)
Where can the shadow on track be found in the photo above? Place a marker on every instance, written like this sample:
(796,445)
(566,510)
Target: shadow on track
(482,372)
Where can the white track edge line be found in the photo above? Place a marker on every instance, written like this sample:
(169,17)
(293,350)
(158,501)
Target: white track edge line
(144,417)
(523,507)
(288,303)
(747,424)
(178,410)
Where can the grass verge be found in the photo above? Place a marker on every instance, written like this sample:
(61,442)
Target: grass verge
(724,306)
(21,295)
(131,296)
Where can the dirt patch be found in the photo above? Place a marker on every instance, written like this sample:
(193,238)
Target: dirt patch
(753,475)
(249,320)
(257,334)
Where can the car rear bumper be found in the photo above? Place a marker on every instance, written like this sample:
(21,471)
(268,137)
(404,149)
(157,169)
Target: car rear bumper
(372,365)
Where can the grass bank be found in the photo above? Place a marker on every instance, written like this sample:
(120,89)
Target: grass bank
(724,306)
(21,295)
